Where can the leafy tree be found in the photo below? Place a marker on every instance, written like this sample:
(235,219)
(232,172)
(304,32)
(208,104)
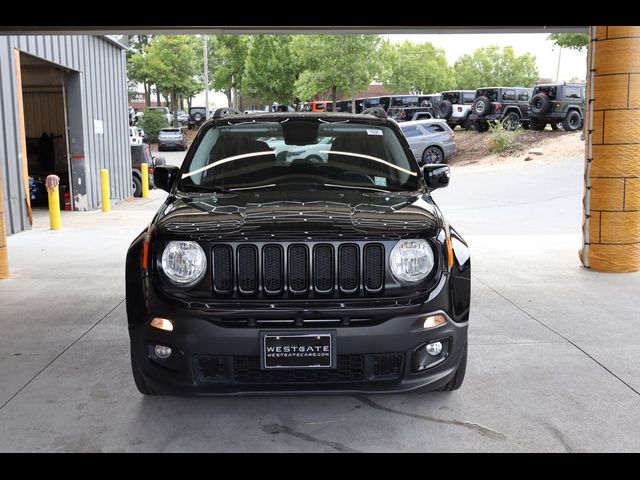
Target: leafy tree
(151,122)
(575,41)
(270,69)
(137,71)
(227,56)
(174,62)
(335,62)
(415,68)
(490,67)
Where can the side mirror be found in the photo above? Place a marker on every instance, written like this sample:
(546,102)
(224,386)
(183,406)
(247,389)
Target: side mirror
(436,175)
(164,176)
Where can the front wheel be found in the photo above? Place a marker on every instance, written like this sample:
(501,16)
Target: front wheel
(432,155)
(456,382)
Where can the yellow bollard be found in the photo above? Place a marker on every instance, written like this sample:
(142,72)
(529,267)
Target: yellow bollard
(106,194)
(144,168)
(54,208)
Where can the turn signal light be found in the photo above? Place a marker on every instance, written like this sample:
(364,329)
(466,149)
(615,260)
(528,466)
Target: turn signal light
(162,324)
(434,321)
(449,253)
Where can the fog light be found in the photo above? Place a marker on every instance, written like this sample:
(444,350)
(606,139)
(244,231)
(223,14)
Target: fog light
(162,351)
(162,324)
(434,321)
(433,349)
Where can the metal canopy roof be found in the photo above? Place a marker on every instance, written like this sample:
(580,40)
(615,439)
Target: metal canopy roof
(237,29)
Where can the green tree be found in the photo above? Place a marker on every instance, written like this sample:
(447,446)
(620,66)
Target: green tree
(270,69)
(137,71)
(335,62)
(151,122)
(490,67)
(575,41)
(227,56)
(174,62)
(415,68)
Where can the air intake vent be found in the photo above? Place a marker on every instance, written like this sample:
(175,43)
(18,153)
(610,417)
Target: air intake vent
(323,277)
(248,269)
(222,269)
(348,266)
(373,268)
(273,268)
(298,269)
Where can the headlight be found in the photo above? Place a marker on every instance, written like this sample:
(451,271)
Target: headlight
(411,260)
(184,263)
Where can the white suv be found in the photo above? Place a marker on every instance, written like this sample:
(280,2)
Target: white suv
(455,107)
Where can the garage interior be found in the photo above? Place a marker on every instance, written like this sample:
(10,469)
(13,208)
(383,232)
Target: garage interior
(45,127)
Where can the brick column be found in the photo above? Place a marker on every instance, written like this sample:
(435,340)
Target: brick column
(4,257)
(611,231)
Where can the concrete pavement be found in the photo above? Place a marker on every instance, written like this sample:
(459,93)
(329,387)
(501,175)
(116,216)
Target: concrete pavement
(553,349)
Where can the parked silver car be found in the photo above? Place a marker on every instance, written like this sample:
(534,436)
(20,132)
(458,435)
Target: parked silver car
(172,138)
(431,141)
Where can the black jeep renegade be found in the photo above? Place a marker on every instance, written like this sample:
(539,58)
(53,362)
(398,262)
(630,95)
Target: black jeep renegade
(298,252)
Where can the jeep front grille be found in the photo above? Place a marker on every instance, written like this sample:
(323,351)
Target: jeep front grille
(298,269)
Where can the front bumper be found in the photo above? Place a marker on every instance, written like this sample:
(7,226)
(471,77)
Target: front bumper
(209,358)
(171,144)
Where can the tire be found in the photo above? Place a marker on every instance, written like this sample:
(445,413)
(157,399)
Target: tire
(511,121)
(137,187)
(432,154)
(537,125)
(572,121)
(555,126)
(445,109)
(142,386)
(482,106)
(197,117)
(540,103)
(480,126)
(456,382)
(467,123)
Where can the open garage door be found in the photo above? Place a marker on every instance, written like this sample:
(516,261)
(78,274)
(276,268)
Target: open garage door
(44,98)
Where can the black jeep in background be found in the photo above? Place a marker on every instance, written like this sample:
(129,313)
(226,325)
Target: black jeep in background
(557,103)
(197,116)
(508,105)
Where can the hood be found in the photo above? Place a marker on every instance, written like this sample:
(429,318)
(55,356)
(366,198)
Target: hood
(310,215)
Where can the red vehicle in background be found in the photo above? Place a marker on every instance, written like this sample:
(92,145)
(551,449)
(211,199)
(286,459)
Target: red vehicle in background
(322,106)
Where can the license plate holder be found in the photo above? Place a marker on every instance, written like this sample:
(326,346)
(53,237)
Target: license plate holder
(295,350)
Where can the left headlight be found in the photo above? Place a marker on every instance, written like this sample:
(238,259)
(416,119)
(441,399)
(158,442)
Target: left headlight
(184,263)
(411,260)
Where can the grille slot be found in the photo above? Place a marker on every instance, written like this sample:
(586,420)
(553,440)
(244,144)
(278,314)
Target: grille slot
(350,369)
(348,266)
(373,268)
(323,276)
(273,271)
(298,269)
(222,269)
(247,269)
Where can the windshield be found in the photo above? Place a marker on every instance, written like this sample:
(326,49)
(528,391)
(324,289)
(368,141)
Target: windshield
(300,155)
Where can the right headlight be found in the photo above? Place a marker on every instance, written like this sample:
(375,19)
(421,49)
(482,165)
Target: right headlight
(411,260)
(184,263)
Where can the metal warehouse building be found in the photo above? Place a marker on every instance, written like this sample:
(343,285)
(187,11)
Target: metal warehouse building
(63,110)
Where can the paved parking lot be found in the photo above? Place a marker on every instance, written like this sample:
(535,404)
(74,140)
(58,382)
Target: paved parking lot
(553,349)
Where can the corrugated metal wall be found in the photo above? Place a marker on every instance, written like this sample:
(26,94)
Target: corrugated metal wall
(102,70)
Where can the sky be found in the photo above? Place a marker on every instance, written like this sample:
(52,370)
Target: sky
(573,64)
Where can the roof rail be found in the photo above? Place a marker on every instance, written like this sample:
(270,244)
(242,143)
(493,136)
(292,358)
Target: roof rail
(375,111)
(225,112)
